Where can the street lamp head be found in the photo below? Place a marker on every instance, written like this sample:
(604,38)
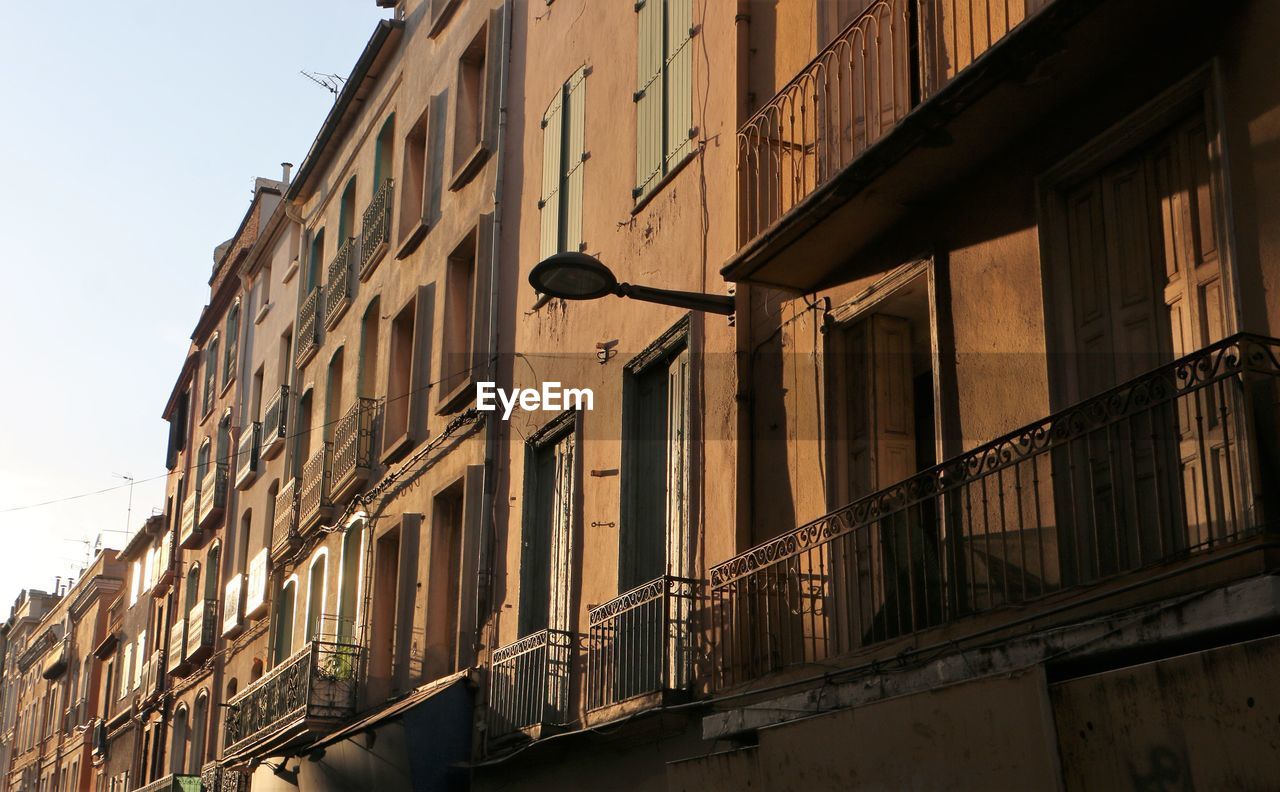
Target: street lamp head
(573,276)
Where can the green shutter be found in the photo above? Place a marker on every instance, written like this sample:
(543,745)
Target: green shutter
(649,95)
(549,204)
(575,152)
(679,82)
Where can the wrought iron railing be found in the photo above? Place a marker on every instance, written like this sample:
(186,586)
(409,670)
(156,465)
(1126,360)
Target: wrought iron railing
(353,443)
(285,525)
(641,642)
(337,292)
(1164,467)
(218,777)
(316,683)
(202,627)
(275,423)
(313,495)
(247,454)
(213,493)
(189,510)
(529,682)
(173,783)
(375,233)
(857,89)
(308,326)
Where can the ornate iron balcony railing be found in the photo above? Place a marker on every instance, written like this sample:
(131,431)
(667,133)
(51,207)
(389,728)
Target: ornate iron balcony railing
(316,686)
(375,232)
(641,642)
(202,628)
(529,682)
(313,496)
(857,89)
(1161,468)
(285,526)
(218,777)
(173,783)
(337,292)
(275,424)
(213,494)
(247,455)
(353,447)
(308,327)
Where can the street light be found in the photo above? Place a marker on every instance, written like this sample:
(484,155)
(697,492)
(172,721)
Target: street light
(577,276)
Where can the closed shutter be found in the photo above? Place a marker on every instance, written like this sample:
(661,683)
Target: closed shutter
(679,82)
(494,56)
(649,96)
(549,205)
(560,611)
(678,546)
(575,153)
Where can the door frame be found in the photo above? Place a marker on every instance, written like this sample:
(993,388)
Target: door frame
(548,435)
(1201,89)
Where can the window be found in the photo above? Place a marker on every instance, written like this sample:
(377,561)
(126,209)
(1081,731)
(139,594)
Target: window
(315,594)
(349,580)
(367,375)
(347,213)
(664,91)
(475,110)
(142,653)
(546,555)
(422,173)
(284,620)
(403,421)
(315,261)
(233,344)
(333,394)
(466,304)
(178,749)
(563,153)
(135,585)
(126,666)
(178,429)
(444,582)
(384,149)
(210,376)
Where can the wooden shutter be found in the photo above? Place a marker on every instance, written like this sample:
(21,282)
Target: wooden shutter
(469,595)
(478,342)
(679,82)
(560,608)
(678,546)
(433,184)
(649,96)
(575,154)
(494,56)
(423,321)
(552,148)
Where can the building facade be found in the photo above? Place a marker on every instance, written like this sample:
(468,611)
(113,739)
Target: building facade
(974,486)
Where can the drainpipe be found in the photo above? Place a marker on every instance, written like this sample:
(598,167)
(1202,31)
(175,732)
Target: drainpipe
(488,539)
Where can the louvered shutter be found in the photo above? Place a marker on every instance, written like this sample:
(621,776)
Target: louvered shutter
(575,152)
(679,81)
(549,205)
(649,96)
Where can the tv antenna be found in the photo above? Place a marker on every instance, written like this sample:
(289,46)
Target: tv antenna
(330,82)
(128,515)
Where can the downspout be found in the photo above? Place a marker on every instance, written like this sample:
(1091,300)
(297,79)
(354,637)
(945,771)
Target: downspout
(488,538)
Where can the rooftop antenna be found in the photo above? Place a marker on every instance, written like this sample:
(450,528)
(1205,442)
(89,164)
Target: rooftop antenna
(330,82)
(128,515)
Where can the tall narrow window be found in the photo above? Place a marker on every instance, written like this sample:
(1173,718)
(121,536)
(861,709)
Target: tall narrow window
(255,395)
(315,262)
(459,316)
(284,620)
(285,359)
(476,101)
(210,375)
(384,150)
(370,326)
(229,360)
(403,421)
(315,595)
(546,557)
(178,750)
(347,213)
(563,153)
(444,581)
(664,90)
(349,580)
(413,181)
(333,394)
(303,437)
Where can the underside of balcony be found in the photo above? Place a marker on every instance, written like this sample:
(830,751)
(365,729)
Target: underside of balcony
(811,237)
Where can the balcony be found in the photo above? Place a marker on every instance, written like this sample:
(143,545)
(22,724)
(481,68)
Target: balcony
(284,528)
(177,656)
(217,777)
(1159,477)
(213,495)
(190,532)
(375,233)
(337,292)
(306,695)
(202,628)
(173,783)
(308,327)
(353,449)
(247,450)
(314,504)
(641,644)
(529,684)
(910,94)
(275,424)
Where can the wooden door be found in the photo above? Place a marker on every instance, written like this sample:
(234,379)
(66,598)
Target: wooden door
(678,551)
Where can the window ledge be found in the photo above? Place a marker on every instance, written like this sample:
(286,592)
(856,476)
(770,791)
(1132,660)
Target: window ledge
(226,386)
(262,312)
(455,398)
(290,271)
(658,186)
(443,19)
(396,449)
(412,240)
(469,168)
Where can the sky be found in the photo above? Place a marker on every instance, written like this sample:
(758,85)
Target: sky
(130,135)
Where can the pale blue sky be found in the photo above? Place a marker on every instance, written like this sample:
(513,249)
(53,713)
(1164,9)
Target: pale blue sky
(130,134)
